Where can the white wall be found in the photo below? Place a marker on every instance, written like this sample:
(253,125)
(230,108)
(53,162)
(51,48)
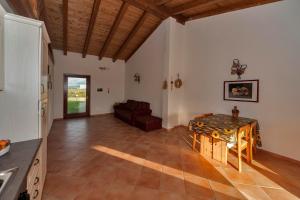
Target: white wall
(267,39)
(176,66)
(149,62)
(159,58)
(112,79)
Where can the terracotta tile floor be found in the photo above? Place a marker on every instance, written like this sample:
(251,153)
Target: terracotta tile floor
(104,158)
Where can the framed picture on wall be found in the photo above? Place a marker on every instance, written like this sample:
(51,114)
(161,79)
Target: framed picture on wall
(245,90)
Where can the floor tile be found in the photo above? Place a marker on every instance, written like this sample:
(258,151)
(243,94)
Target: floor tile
(142,193)
(279,194)
(149,178)
(104,158)
(252,192)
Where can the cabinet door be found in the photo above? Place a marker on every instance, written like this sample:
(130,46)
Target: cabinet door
(43,171)
(1,50)
(44,71)
(44,134)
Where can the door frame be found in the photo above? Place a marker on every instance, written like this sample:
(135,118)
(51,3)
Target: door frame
(88,99)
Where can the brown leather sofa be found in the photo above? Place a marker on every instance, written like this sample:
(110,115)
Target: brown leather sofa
(130,110)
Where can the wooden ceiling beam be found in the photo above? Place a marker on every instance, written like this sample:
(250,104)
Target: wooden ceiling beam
(147,7)
(113,29)
(91,27)
(159,11)
(23,8)
(131,35)
(65,26)
(166,11)
(190,5)
(160,2)
(143,41)
(232,7)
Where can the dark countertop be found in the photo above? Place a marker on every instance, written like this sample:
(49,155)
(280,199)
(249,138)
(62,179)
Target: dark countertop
(21,155)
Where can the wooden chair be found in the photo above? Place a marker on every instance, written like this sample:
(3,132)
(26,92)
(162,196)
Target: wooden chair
(254,136)
(195,134)
(244,141)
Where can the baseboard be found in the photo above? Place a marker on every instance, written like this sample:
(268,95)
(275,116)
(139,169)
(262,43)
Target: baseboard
(99,115)
(94,115)
(58,119)
(294,161)
(178,126)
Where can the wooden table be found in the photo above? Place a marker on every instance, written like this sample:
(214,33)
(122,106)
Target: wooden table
(217,133)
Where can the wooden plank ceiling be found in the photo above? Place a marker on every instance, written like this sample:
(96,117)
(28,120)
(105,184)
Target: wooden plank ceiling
(117,28)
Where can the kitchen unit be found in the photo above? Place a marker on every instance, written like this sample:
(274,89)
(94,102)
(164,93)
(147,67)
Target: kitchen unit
(1,49)
(20,159)
(24,100)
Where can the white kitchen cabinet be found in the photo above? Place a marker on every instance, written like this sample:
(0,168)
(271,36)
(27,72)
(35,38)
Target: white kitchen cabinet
(50,93)
(26,51)
(24,101)
(1,48)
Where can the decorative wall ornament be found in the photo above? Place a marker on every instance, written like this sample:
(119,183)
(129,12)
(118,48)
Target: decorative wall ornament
(178,82)
(238,68)
(103,68)
(172,83)
(137,77)
(165,85)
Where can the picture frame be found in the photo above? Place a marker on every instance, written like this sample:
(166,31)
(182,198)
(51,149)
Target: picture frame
(242,90)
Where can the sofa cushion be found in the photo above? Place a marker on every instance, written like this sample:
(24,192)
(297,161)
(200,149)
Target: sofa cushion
(143,105)
(131,104)
(148,123)
(124,113)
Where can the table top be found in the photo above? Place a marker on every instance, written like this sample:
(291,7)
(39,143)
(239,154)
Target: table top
(219,126)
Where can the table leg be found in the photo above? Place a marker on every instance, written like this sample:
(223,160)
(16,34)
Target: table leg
(219,151)
(194,140)
(239,151)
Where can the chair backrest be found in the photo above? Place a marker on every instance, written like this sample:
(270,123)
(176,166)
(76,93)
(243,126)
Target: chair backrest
(244,132)
(203,115)
(253,127)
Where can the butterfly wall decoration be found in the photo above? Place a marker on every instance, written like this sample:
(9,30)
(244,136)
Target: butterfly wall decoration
(238,68)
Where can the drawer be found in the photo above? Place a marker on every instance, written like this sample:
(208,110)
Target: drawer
(36,190)
(35,183)
(35,193)
(33,174)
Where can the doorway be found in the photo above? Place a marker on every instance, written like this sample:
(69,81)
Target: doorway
(76,95)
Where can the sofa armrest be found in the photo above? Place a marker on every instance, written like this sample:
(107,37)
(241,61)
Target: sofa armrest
(120,106)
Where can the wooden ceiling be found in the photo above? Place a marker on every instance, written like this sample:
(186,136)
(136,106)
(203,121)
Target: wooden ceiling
(117,28)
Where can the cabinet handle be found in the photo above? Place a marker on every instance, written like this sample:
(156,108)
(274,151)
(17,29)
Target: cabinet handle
(43,88)
(36,194)
(36,162)
(36,181)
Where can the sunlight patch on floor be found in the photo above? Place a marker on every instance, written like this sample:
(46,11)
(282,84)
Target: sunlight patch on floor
(189,177)
(151,165)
